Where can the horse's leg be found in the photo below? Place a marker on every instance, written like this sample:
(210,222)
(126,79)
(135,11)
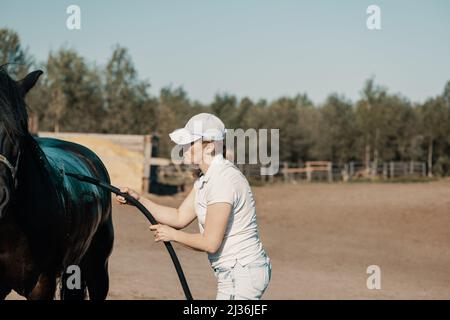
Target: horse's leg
(45,288)
(4,291)
(98,281)
(96,262)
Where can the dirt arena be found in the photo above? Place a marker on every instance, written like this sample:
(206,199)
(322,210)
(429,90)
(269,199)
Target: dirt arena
(320,237)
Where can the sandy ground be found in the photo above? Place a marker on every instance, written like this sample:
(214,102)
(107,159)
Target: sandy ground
(320,237)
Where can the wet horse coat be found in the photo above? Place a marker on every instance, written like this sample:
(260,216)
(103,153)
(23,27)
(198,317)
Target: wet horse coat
(49,221)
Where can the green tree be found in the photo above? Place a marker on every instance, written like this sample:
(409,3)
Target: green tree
(337,131)
(434,123)
(13,53)
(225,107)
(174,110)
(75,102)
(369,120)
(295,118)
(127,103)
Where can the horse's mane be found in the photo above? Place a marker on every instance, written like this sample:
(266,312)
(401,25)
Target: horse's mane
(14,123)
(13,111)
(14,118)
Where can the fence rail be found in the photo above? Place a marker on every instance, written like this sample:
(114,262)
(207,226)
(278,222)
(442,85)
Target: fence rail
(327,171)
(353,171)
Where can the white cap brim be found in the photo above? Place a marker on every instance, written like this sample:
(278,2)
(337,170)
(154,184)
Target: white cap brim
(183,136)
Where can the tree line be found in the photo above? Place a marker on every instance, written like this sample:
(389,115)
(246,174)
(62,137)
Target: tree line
(75,94)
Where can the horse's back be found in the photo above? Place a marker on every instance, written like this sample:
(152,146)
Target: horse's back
(88,206)
(65,156)
(70,156)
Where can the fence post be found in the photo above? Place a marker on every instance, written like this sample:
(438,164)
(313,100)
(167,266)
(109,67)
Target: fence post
(374,171)
(352,169)
(330,171)
(385,171)
(391,169)
(33,123)
(147,158)
(346,173)
(263,177)
(270,178)
(285,171)
(308,172)
(424,169)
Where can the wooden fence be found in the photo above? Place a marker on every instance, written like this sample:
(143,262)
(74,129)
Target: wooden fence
(327,171)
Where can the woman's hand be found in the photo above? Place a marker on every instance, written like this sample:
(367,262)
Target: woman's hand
(122,200)
(163,232)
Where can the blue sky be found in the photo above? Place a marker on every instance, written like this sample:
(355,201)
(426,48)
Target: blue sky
(259,49)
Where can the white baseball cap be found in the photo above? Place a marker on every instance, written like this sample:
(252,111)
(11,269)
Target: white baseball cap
(202,125)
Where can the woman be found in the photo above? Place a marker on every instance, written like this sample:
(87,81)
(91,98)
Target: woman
(223,203)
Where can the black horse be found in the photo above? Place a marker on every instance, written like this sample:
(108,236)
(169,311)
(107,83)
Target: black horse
(48,221)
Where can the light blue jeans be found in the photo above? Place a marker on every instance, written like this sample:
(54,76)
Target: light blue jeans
(247,282)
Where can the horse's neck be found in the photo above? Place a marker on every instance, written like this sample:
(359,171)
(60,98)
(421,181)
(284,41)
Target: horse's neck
(38,210)
(37,190)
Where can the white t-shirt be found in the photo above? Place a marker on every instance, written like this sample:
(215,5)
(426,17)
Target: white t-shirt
(223,182)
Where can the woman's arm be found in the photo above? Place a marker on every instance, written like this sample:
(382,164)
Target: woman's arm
(210,241)
(177,218)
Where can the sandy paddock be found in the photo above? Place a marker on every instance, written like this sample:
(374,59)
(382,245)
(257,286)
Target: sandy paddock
(320,237)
